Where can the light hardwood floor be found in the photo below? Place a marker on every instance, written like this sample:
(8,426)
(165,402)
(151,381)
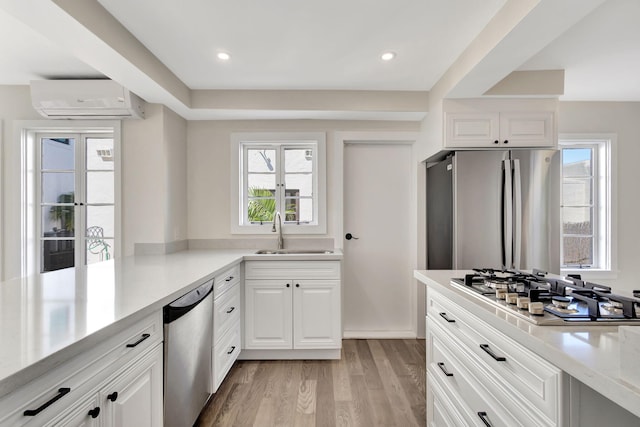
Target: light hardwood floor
(376,383)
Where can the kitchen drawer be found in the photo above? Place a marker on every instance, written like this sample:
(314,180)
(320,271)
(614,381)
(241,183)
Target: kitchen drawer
(469,410)
(292,270)
(466,383)
(71,382)
(521,373)
(441,411)
(226,280)
(226,312)
(445,355)
(224,354)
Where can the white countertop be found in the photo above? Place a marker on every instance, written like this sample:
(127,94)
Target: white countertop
(591,354)
(49,318)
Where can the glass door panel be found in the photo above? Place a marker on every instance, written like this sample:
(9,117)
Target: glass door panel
(57,203)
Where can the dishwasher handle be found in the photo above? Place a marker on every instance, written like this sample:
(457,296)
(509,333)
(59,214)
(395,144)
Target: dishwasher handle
(187,302)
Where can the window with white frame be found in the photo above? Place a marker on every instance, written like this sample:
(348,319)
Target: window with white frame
(76,183)
(586,204)
(279,173)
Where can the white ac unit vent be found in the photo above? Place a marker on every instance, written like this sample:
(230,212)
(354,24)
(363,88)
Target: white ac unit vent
(85,99)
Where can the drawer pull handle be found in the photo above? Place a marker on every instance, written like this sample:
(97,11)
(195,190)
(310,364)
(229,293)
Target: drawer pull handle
(443,369)
(94,412)
(485,419)
(490,352)
(228,279)
(230,310)
(33,412)
(113,396)
(233,347)
(444,316)
(144,337)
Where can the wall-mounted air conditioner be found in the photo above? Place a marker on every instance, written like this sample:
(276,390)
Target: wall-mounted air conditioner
(85,99)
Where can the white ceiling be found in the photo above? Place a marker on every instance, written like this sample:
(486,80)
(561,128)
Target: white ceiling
(293,44)
(600,54)
(27,55)
(327,45)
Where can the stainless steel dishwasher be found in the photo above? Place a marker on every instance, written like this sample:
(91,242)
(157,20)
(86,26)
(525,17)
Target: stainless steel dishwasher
(188,323)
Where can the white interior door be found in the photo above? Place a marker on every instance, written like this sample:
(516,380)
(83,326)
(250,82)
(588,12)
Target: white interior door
(379,301)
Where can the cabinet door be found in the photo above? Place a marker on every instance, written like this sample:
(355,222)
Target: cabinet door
(316,314)
(134,398)
(471,130)
(268,318)
(527,129)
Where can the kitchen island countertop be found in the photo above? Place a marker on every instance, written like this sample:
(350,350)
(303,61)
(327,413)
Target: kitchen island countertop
(590,354)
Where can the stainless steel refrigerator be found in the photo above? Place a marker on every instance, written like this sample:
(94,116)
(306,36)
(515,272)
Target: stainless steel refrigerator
(494,209)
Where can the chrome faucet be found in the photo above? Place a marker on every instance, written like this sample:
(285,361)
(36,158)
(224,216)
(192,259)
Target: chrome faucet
(273,230)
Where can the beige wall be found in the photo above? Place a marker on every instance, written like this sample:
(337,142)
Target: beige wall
(209,170)
(175,142)
(621,119)
(154,179)
(143,178)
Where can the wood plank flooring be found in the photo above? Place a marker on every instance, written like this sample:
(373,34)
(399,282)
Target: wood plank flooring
(376,383)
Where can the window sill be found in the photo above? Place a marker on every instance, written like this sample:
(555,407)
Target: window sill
(589,274)
(286,230)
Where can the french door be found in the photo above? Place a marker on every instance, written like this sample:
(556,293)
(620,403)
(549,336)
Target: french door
(76,196)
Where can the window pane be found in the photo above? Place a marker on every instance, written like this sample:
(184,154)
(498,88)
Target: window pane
(577,192)
(306,210)
(299,210)
(298,160)
(100,188)
(260,160)
(58,153)
(261,210)
(300,183)
(101,216)
(577,251)
(576,162)
(98,249)
(57,254)
(100,154)
(258,181)
(57,187)
(58,221)
(577,221)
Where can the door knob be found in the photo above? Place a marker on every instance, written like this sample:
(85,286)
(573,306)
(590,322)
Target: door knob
(350,236)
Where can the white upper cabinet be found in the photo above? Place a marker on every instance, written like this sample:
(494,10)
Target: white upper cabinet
(476,124)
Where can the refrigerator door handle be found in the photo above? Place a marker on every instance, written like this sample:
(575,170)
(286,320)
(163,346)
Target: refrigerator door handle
(507,215)
(517,214)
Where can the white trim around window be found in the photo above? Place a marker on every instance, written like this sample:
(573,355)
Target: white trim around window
(25,136)
(278,141)
(604,203)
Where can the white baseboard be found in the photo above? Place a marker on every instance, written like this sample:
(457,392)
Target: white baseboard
(379,335)
(289,354)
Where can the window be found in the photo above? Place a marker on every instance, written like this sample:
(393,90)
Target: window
(586,204)
(77,200)
(279,173)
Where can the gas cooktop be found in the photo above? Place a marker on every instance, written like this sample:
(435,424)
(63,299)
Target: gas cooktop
(544,300)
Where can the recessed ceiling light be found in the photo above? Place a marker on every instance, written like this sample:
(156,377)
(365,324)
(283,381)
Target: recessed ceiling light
(388,56)
(224,56)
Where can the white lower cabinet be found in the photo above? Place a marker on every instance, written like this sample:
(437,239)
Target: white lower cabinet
(131,399)
(297,306)
(227,329)
(118,383)
(493,380)
(268,314)
(316,314)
